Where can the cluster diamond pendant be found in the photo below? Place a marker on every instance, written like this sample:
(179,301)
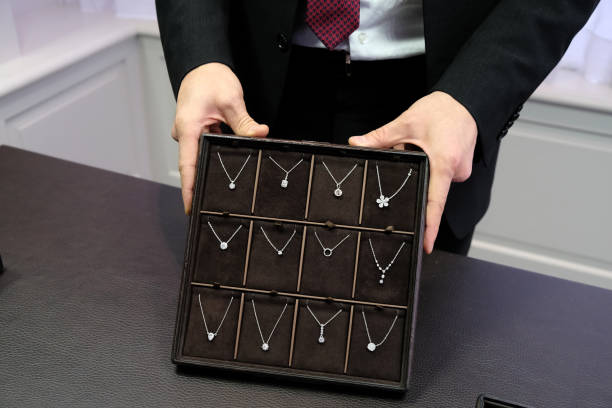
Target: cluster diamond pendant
(321,337)
(383,201)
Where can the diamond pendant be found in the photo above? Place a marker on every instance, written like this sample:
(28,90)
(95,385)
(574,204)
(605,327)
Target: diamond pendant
(223,246)
(327,252)
(321,338)
(265,347)
(371,346)
(338,192)
(280,253)
(284,183)
(232,185)
(211,336)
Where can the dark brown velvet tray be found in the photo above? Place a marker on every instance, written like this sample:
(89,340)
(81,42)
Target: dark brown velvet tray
(288,289)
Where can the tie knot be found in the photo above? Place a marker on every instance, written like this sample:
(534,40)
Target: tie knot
(332,21)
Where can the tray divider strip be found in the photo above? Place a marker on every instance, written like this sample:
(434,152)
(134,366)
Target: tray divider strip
(299,281)
(256,182)
(356,264)
(299,295)
(295,313)
(312,160)
(348,339)
(239,326)
(363,188)
(248,253)
(303,222)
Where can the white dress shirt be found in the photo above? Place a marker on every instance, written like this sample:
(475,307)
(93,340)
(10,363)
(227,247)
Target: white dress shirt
(388,29)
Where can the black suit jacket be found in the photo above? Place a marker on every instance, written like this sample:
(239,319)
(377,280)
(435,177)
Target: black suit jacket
(490,55)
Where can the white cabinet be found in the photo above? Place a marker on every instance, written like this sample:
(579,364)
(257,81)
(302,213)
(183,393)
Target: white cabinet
(89,112)
(160,108)
(551,210)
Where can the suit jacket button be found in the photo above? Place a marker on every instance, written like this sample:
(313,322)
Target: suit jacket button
(282,42)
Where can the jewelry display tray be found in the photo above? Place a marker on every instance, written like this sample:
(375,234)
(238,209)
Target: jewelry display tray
(235,279)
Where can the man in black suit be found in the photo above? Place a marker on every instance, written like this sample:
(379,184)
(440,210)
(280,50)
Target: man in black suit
(483,59)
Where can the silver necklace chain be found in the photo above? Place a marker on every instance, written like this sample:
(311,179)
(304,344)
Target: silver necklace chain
(384,270)
(265,344)
(278,251)
(211,335)
(285,181)
(338,190)
(329,251)
(371,345)
(232,184)
(223,244)
(383,201)
(322,325)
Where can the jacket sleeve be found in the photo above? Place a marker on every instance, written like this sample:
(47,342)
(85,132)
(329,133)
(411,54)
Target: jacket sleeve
(507,57)
(193,32)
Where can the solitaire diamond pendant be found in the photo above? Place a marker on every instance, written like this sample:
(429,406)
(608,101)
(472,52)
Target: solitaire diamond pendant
(232,186)
(265,347)
(371,346)
(284,183)
(223,246)
(211,336)
(338,192)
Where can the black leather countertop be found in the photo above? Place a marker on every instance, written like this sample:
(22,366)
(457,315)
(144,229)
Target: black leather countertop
(89,294)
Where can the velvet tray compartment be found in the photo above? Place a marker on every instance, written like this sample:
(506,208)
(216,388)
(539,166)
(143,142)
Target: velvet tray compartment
(303,261)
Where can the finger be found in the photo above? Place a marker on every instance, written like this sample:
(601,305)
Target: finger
(401,146)
(242,123)
(174,133)
(188,152)
(439,184)
(384,137)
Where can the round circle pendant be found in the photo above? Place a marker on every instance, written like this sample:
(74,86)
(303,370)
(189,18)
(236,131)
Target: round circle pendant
(371,346)
(211,336)
(321,339)
(338,192)
(232,185)
(265,347)
(223,246)
(284,183)
(327,252)
(280,253)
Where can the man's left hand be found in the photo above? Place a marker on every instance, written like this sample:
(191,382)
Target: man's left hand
(447,132)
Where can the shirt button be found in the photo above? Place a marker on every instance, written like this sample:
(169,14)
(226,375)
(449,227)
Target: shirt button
(362,37)
(282,42)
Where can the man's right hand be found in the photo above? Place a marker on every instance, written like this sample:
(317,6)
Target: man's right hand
(208,95)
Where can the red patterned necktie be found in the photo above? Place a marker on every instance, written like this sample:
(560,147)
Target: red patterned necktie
(332,21)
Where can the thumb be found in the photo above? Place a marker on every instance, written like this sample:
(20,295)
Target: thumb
(242,123)
(382,138)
